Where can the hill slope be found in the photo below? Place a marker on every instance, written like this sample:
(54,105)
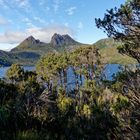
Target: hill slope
(5,58)
(30,50)
(29,43)
(109,52)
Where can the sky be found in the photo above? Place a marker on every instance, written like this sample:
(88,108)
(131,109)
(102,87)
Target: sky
(42,18)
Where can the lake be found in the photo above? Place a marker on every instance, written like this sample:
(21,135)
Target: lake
(4,69)
(109,70)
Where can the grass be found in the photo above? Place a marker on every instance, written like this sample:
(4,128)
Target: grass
(111,55)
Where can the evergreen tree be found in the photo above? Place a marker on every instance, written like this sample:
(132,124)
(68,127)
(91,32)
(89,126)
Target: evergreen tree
(124,24)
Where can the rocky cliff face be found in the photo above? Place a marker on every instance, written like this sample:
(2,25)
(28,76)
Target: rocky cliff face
(61,40)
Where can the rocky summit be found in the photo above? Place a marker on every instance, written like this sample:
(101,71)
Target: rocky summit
(32,40)
(29,42)
(61,40)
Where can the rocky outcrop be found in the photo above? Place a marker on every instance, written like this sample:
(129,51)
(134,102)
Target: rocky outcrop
(29,42)
(32,40)
(61,40)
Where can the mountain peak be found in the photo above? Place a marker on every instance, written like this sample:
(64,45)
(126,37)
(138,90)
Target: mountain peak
(30,38)
(56,34)
(57,40)
(29,42)
(32,41)
(60,40)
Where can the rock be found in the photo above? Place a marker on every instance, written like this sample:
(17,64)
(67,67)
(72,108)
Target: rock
(61,40)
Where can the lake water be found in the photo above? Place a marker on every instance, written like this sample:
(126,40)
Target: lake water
(109,70)
(4,69)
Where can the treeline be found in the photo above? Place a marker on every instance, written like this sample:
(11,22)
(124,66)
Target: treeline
(38,105)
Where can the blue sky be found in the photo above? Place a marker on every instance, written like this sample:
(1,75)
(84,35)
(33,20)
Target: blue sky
(42,18)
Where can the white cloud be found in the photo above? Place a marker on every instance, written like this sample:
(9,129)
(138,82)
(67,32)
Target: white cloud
(71,10)
(30,25)
(3,21)
(44,34)
(11,37)
(52,21)
(56,4)
(47,8)
(41,2)
(80,25)
(45,5)
(15,5)
(10,21)
(20,4)
(66,24)
(23,3)
(3,4)
(40,20)
(28,22)
(7,47)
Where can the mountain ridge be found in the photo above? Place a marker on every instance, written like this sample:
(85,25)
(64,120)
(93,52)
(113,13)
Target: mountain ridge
(29,51)
(57,40)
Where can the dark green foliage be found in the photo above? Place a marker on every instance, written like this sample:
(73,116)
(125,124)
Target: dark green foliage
(35,106)
(124,24)
(31,111)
